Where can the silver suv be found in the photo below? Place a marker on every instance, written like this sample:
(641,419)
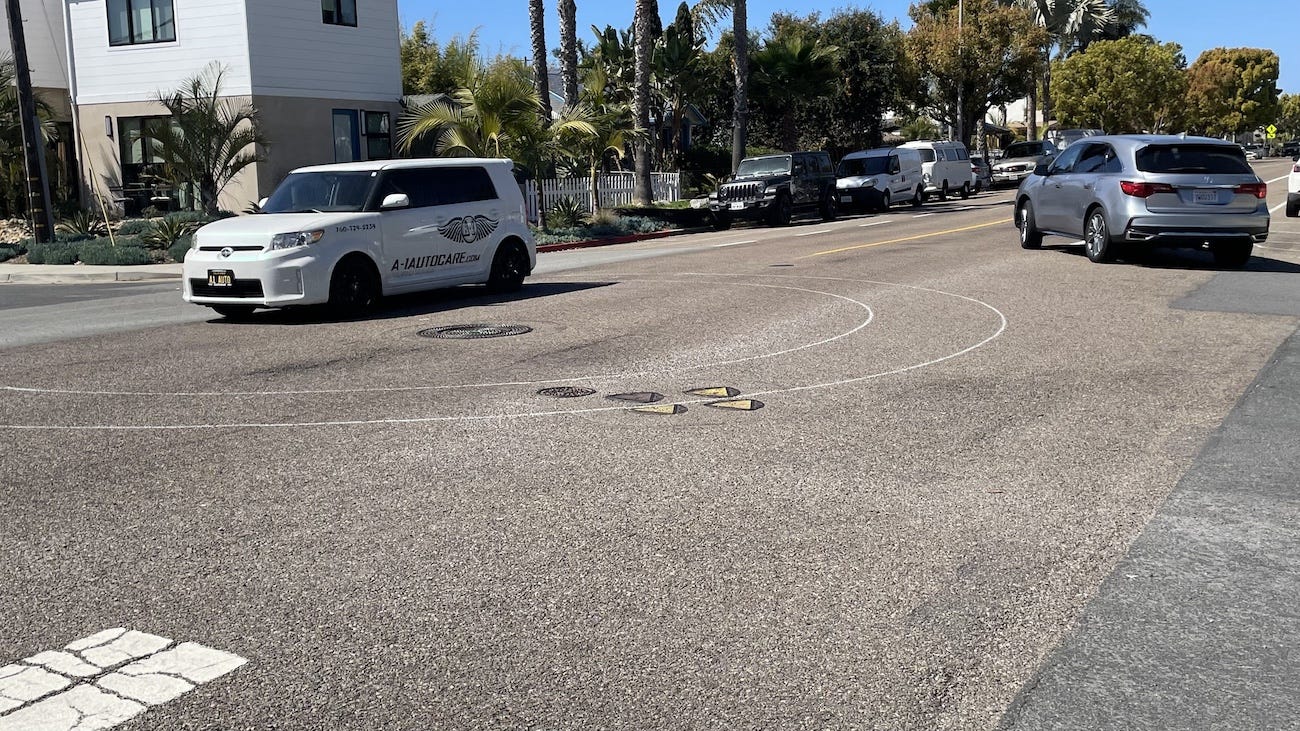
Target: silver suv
(1020,159)
(1127,191)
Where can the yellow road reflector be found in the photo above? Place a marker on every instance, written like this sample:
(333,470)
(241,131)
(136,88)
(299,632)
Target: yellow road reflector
(715,392)
(638,397)
(745,404)
(666,409)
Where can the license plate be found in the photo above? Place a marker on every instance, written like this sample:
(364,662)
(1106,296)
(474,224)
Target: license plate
(738,206)
(221,278)
(1205,196)
(846,199)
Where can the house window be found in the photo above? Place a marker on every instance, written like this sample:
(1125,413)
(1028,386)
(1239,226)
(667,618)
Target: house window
(131,22)
(347,141)
(379,140)
(339,12)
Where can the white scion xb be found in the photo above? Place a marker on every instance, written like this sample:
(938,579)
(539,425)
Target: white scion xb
(349,233)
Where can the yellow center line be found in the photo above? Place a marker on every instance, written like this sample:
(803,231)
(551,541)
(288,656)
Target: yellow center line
(1000,222)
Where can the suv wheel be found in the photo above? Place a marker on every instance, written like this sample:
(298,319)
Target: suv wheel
(354,287)
(721,221)
(1096,238)
(884,202)
(1030,236)
(965,190)
(509,267)
(1293,207)
(1234,255)
(919,198)
(781,210)
(943,191)
(829,208)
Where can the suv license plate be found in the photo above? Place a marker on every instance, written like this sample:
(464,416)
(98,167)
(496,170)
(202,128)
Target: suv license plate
(221,278)
(846,199)
(1205,196)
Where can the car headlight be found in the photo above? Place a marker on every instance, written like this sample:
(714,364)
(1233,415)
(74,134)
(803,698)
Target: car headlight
(925,178)
(869,183)
(296,239)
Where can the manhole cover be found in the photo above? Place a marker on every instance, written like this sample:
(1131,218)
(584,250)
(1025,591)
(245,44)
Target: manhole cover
(473,332)
(566,392)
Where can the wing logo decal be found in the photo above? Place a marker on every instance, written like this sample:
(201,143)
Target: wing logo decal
(468,229)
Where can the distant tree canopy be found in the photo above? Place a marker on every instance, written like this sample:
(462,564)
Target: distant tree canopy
(1232,90)
(1130,85)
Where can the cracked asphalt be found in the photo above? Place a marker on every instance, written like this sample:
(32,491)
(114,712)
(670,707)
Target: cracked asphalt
(960,442)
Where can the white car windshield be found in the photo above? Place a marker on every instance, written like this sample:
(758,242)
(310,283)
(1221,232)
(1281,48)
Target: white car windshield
(764,166)
(863,166)
(321,192)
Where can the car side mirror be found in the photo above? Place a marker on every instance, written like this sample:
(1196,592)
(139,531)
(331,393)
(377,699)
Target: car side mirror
(1042,169)
(395,200)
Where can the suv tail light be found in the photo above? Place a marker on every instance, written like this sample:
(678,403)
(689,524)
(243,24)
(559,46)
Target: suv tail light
(1296,168)
(1144,190)
(1259,190)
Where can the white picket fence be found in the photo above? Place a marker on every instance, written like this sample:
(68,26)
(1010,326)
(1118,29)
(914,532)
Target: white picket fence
(615,190)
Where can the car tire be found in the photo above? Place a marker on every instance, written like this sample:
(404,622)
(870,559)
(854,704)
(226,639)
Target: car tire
(884,204)
(1096,238)
(1233,255)
(354,286)
(781,210)
(919,198)
(943,191)
(721,221)
(829,208)
(509,267)
(965,191)
(1293,208)
(1030,236)
(237,313)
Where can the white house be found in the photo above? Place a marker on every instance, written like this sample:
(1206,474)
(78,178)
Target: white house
(324,76)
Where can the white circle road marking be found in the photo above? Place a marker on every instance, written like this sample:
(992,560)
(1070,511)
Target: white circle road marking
(393,389)
(1002,326)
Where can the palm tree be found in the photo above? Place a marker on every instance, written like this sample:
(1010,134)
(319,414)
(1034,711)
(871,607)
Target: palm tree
(493,112)
(568,10)
(537,21)
(13,173)
(643,37)
(677,69)
(1129,16)
(708,12)
(207,140)
(609,127)
(1071,25)
(790,68)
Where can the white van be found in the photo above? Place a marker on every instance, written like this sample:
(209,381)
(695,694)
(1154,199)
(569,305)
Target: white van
(348,234)
(946,167)
(876,179)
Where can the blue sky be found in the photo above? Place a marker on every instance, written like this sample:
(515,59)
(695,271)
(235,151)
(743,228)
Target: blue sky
(1195,24)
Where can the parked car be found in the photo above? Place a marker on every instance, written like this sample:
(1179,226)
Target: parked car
(1253,152)
(945,167)
(349,233)
(1293,188)
(983,173)
(1291,148)
(876,179)
(1019,160)
(1063,138)
(1133,191)
(773,188)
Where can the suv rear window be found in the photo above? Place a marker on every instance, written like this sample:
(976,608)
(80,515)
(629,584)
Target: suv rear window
(927,155)
(1193,159)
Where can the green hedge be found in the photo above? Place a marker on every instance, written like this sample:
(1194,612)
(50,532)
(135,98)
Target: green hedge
(59,252)
(179,249)
(127,252)
(134,227)
(9,251)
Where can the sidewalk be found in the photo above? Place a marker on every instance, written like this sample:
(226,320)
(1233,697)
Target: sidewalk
(83,273)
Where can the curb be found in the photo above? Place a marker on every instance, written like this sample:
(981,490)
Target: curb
(83,278)
(591,243)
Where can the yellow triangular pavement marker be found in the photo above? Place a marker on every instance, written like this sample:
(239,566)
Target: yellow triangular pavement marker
(715,392)
(738,405)
(661,409)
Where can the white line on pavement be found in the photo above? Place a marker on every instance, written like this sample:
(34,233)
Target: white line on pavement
(922,215)
(873,223)
(1277,207)
(813,233)
(1274,180)
(733,243)
(104,680)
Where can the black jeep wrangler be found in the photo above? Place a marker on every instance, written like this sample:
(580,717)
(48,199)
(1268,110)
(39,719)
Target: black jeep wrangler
(773,188)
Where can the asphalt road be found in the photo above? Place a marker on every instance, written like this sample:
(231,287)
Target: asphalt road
(959,442)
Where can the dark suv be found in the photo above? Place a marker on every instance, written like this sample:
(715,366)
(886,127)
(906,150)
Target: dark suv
(773,188)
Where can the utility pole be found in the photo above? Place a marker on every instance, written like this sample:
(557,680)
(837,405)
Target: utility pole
(38,186)
(961,79)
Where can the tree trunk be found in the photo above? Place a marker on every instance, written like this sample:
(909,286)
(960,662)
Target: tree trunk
(595,189)
(569,50)
(1047,98)
(641,104)
(1031,110)
(740,117)
(537,19)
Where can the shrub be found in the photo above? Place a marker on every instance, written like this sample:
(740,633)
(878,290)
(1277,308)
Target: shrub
(150,212)
(9,251)
(164,232)
(566,213)
(128,251)
(194,217)
(82,225)
(134,226)
(178,250)
(59,252)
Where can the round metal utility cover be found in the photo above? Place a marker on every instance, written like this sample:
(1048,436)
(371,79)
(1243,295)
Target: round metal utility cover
(473,332)
(566,392)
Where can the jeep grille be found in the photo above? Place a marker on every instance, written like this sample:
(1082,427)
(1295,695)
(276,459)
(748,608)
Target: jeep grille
(741,192)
